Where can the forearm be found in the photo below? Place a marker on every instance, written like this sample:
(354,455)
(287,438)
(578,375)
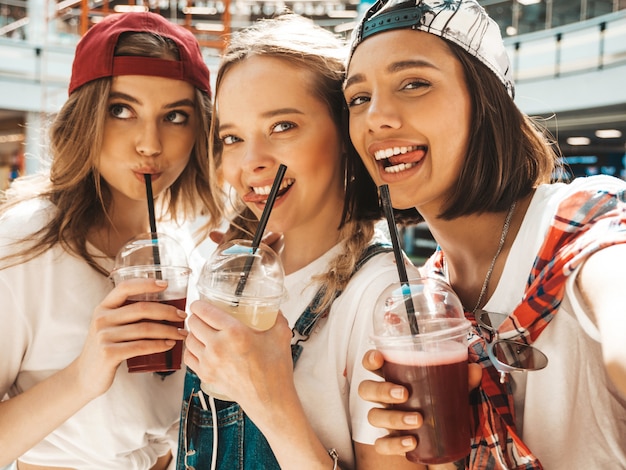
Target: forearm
(29,417)
(291,437)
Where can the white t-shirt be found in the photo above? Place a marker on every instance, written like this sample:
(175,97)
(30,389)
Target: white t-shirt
(329,369)
(570,415)
(46,306)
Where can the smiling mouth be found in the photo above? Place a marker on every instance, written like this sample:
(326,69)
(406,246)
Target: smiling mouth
(265,190)
(391,159)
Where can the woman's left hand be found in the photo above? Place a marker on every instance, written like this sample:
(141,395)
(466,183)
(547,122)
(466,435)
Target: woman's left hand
(251,367)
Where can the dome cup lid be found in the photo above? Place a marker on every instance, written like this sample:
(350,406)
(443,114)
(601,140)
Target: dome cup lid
(261,267)
(150,249)
(436,308)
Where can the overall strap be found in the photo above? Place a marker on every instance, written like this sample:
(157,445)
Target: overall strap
(309,318)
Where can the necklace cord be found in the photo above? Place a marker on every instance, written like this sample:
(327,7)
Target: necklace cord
(505,231)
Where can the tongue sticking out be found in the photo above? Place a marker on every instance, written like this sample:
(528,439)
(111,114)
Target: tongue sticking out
(255,198)
(403,161)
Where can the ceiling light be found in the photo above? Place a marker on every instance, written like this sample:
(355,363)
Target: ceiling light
(578,140)
(210,27)
(129,8)
(200,11)
(344,27)
(342,14)
(528,2)
(7,138)
(608,133)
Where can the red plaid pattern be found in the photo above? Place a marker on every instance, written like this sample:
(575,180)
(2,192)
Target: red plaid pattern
(585,222)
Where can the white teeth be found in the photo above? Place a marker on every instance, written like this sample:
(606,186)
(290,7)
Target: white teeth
(399,167)
(265,190)
(390,152)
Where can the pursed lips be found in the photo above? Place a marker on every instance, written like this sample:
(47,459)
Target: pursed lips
(155,174)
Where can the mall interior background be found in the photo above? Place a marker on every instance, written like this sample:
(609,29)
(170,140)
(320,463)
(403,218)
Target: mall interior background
(568,57)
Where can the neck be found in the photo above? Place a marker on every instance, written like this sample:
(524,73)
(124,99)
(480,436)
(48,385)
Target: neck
(121,225)
(302,247)
(470,245)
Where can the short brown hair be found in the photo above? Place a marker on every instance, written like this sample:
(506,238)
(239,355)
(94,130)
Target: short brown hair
(507,153)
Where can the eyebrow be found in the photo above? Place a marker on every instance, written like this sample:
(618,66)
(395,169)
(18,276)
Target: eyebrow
(267,114)
(132,99)
(394,67)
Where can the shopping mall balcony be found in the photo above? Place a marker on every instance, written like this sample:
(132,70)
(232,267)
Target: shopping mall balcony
(568,58)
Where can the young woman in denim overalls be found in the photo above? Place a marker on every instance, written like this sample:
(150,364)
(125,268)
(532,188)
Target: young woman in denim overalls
(279,101)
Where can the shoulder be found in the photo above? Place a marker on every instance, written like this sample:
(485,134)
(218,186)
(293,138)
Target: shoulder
(551,198)
(377,273)
(603,183)
(556,192)
(26,218)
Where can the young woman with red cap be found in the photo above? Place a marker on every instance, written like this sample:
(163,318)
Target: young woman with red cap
(432,115)
(139,103)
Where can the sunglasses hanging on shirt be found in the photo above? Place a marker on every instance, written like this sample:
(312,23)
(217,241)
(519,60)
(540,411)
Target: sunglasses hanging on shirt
(507,355)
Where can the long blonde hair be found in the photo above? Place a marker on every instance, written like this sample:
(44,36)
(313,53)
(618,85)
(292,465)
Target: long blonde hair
(308,46)
(75,186)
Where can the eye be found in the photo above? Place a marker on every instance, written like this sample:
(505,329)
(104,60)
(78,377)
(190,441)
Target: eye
(230,139)
(283,126)
(177,117)
(120,111)
(415,84)
(357,100)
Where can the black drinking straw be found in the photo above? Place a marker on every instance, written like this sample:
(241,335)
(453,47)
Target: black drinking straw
(169,358)
(397,251)
(153,230)
(256,241)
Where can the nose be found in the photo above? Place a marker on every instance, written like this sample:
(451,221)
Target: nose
(148,141)
(382,114)
(257,156)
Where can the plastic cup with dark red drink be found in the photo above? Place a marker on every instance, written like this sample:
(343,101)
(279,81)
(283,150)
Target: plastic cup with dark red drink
(157,256)
(431,364)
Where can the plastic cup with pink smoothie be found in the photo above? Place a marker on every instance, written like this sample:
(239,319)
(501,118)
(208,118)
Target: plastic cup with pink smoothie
(431,364)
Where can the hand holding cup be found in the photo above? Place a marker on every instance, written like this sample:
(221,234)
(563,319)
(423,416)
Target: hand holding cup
(431,365)
(246,282)
(155,256)
(118,332)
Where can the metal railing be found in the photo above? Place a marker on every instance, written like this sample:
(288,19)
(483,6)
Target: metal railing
(580,47)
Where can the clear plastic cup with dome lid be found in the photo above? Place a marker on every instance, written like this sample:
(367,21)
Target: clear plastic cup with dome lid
(245,281)
(158,256)
(421,330)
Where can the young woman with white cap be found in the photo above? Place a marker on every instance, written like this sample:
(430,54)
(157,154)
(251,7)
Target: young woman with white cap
(432,115)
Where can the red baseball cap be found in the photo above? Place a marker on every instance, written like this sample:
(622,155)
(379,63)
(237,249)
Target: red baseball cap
(94,57)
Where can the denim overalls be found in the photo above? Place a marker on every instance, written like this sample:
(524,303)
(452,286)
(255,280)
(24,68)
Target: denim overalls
(241,446)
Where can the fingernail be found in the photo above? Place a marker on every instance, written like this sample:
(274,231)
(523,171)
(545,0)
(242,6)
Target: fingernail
(183,332)
(160,282)
(410,419)
(397,392)
(407,442)
(181,314)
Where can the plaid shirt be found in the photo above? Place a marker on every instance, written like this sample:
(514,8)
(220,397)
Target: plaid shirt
(584,223)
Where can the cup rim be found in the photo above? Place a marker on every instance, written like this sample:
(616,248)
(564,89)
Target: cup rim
(121,269)
(226,297)
(463,328)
